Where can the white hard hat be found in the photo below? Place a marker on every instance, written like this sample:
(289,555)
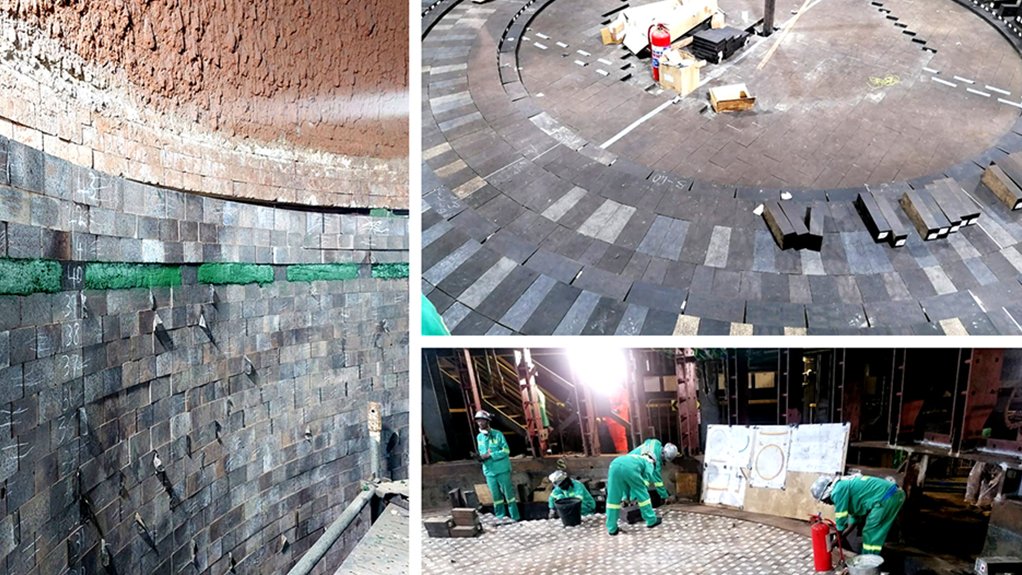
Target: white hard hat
(669,452)
(483,414)
(558,476)
(822,487)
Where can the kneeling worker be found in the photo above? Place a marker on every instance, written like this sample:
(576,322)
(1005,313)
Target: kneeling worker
(872,502)
(661,454)
(627,479)
(566,487)
(495,455)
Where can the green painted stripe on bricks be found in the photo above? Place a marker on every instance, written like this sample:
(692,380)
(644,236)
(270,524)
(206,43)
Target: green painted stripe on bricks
(24,277)
(237,274)
(125,276)
(321,272)
(390,271)
(381,213)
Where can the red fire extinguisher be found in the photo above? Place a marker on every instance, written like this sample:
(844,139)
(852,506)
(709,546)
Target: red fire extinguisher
(821,549)
(659,41)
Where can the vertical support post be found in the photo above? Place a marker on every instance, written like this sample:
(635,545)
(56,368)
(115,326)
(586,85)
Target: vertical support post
(688,403)
(768,17)
(981,397)
(375,433)
(473,383)
(741,387)
(897,394)
(639,412)
(838,401)
(958,403)
(527,388)
(586,416)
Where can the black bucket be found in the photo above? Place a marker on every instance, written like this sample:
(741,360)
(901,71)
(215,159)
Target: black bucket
(569,510)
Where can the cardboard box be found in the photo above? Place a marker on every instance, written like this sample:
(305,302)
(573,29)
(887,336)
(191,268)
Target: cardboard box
(717,21)
(679,71)
(615,33)
(731,98)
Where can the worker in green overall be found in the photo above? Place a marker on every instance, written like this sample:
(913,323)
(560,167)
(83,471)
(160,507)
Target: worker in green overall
(495,455)
(565,487)
(661,454)
(627,479)
(872,502)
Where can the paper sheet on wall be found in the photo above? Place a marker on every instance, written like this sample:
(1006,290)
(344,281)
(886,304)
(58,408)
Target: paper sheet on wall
(818,448)
(727,445)
(724,484)
(769,465)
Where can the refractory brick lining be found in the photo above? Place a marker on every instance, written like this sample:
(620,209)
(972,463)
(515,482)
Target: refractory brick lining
(252,396)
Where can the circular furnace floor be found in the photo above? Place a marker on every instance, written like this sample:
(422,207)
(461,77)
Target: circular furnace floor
(528,226)
(684,543)
(856,93)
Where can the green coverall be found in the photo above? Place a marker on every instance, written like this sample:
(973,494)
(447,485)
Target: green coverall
(627,479)
(578,491)
(497,469)
(432,323)
(656,449)
(871,499)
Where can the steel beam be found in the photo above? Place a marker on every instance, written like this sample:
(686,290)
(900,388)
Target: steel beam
(688,400)
(981,392)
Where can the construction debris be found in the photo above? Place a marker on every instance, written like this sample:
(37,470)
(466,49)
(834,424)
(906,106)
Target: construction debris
(717,45)
(678,16)
(615,32)
(463,522)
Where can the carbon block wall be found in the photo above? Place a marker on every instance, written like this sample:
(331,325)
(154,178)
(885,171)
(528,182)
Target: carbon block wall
(184,380)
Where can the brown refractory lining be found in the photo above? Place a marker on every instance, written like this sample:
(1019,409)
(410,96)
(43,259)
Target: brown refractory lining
(313,73)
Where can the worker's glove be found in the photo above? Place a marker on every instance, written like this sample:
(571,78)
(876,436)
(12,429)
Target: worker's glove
(484,456)
(552,514)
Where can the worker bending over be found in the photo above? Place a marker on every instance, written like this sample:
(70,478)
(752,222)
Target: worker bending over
(565,487)
(628,477)
(496,458)
(661,454)
(860,500)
